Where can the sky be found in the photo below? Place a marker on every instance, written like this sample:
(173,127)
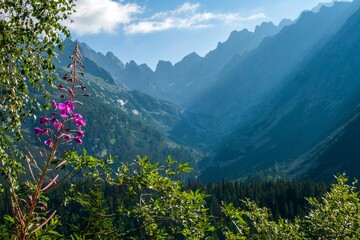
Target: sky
(147,31)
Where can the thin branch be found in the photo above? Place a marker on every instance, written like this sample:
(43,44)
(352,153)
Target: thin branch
(44,223)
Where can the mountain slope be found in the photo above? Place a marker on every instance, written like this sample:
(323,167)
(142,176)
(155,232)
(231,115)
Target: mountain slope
(122,122)
(247,80)
(338,153)
(316,101)
(129,75)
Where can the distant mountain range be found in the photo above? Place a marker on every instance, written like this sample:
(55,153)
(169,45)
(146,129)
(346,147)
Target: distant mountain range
(282,101)
(306,96)
(182,82)
(121,122)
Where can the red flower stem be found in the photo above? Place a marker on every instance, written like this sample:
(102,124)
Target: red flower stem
(41,179)
(56,143)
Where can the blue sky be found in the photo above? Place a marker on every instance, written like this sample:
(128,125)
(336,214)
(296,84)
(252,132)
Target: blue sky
(150,30)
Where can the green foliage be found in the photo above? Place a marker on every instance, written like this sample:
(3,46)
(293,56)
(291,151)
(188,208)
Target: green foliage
(337,214)
(153,204)
(29,32)
(334,216)
(256,223)
(163,208)
(95,218)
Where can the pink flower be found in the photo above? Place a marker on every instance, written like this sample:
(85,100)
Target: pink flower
(78,139)
(80,122)
(44,120)
(39,131)
(77,116)
(56,123)
(54,104)
(67,137)
(49,143)
(80,133)
(66,108)
(78,119)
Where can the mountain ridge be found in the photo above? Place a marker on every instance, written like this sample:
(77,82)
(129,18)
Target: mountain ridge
(317,100)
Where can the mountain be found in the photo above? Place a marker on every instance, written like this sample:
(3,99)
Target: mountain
(320,5)
(247,80)
(262,100)
(92,67)
(129,75)
(181,82)
(108,62)
(312,106)
(338,153)
(194,74)
(122,122)
(139,77)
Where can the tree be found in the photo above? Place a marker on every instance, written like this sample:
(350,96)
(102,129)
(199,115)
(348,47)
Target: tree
(30,30)
(153,204)
(336,215)
(255,223)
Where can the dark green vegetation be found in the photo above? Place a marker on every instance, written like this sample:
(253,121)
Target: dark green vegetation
(285,199)
(142,201)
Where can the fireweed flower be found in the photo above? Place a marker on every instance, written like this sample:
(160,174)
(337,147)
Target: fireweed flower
(78,119)
(54,104)
(67,137)
(61,126)
(56,123)
(66,108)
(49,142)
(80,133)
(39,131)
(44,120)
(78,139)
(63,119)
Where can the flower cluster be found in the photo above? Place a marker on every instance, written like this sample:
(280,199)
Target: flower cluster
(57,135)
(67,127)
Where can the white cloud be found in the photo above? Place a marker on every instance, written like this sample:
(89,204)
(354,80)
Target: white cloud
(186,16)
(96,16)
(107,16)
